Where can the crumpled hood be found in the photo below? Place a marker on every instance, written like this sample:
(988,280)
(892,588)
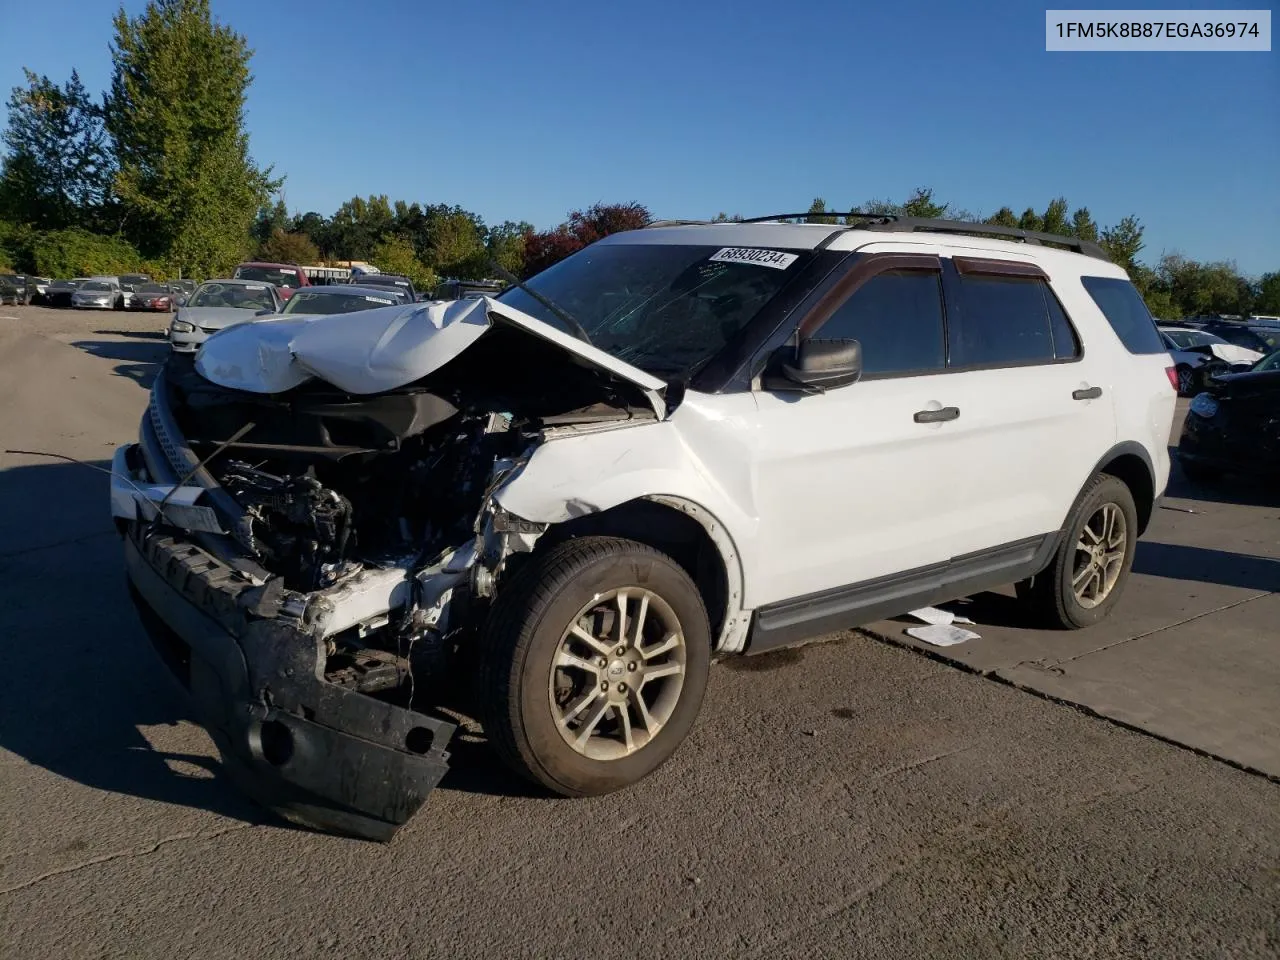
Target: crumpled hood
(216,318)
(372,351)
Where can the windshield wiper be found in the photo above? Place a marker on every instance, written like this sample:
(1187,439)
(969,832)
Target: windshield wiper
(574,326)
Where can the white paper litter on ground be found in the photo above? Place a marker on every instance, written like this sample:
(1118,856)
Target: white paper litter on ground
(942,634)
(934,615)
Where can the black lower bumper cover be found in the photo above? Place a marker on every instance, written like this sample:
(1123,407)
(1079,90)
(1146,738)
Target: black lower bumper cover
(313,752)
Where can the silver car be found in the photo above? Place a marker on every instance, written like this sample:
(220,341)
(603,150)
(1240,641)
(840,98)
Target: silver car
(218,304)
(98,294)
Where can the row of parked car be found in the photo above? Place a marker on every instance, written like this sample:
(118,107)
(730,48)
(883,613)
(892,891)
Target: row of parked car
(1204,347)
(130,291)
(264,289)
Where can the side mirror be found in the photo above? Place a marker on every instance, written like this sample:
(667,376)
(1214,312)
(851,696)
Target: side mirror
(815,366)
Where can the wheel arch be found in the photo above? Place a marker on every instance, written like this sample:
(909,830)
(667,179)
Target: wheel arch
(1130,463)
(691,535)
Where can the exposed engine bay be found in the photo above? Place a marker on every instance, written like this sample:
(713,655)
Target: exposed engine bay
(332,483)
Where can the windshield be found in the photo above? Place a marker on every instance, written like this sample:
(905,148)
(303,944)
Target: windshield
(1244,337)
(151,288)
(280,276)
(335,302)
(385,281)
(240,296)
(664,308)
(95,286)
(1270,362)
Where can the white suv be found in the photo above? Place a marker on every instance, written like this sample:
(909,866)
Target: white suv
(685,441)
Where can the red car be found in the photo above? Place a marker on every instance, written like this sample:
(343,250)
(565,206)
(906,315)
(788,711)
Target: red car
(151,296)
(288,277)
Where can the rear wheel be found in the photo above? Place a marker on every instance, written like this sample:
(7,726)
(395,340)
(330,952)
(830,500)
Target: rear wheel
(1092,564)
(594,665)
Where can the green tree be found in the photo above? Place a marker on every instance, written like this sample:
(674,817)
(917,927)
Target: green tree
(1055,218)
(271,217)
(1268,296)
(818,212)
(1030,220)
(1123,241)
(922,204)
(57,170)
(455,243)
(283,247)
(395,255)
(1082,225)
(1004,217)
(360,225)
(505,244)
(188,189)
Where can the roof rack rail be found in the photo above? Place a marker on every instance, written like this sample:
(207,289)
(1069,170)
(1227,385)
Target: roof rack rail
(925,225)
(676,223)
(894,222)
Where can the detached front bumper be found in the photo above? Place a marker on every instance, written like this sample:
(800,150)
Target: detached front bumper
(317,753)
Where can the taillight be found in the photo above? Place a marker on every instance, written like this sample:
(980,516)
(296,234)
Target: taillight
(1172,374)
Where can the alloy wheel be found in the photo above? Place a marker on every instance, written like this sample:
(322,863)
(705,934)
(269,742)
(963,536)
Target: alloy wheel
(617,673)
(1100,553)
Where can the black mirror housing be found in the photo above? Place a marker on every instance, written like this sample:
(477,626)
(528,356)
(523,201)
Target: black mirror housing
(815,366)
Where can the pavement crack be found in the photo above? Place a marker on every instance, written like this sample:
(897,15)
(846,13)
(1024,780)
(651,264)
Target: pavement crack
(124,855)
(916,764)
(1151,633)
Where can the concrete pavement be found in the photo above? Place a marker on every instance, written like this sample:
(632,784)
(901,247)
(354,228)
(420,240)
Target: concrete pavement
(1192,651)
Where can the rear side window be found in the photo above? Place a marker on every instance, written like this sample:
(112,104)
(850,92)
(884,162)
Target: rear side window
(897,318)
(1008,321)
(1129,317)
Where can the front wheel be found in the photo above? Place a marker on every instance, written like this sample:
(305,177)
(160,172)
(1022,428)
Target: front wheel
(1091,566)
(594,664)
(1186,381)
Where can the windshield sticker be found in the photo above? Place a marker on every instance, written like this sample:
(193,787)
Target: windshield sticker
(760,258)
(255,286)
(292,273)
(378,300)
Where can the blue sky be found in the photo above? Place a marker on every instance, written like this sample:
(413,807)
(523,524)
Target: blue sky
(522,110)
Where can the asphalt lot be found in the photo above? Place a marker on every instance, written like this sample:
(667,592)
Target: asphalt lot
(848,798)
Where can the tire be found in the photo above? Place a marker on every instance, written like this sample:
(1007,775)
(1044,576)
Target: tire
(1049,597)
(526,701)
(1186,380)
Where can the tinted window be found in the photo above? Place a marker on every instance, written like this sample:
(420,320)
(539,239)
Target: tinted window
(1066,345)
(897,317)
(1122,305)
(1004,320)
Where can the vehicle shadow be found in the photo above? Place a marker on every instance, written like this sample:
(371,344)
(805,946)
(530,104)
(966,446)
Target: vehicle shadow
(90,685)
(1179,562)
(94,700)
(142,361)
(1243,491)
(135,334)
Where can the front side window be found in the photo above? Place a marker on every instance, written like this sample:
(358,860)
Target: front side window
(1004,322)
(665,308)
(896,316)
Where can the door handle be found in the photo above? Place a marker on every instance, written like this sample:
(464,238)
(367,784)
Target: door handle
(1092,393)
(937,416)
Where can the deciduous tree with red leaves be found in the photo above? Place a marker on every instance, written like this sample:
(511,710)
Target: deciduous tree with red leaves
(583,228)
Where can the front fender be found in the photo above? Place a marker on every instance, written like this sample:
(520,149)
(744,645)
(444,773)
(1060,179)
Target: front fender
(571,477)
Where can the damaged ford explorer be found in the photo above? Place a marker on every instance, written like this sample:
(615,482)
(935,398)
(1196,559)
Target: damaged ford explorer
(682,442)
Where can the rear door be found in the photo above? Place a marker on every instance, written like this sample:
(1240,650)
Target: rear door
(1037,407)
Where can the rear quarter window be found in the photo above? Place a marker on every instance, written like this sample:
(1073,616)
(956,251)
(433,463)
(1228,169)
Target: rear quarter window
(1129,317)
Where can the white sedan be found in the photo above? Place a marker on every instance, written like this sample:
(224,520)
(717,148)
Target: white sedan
(1192,349)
